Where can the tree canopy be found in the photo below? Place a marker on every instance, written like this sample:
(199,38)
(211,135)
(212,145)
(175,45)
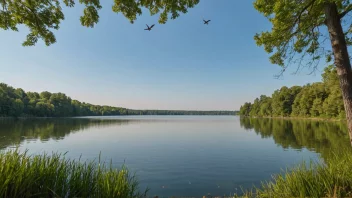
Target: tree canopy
(320,99)
(298,32)
(17,102)
(43,16)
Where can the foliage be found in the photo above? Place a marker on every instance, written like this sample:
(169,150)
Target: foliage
(283,99)
(16,102)
(45,175)
(330,179)
(43,16)
(321,99)
(245,109)
(298,32)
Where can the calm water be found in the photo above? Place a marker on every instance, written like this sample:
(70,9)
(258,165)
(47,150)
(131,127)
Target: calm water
(183,155)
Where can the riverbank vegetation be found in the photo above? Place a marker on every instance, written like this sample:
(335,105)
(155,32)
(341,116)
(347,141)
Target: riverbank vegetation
(327,177)
(324,138)
(18,103)
(22,175)
(316,100)
(332,178)
(54,176)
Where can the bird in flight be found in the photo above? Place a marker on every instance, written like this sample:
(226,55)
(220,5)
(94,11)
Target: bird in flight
(149,28)
(206,21)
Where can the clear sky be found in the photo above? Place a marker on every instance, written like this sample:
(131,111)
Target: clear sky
(180,65)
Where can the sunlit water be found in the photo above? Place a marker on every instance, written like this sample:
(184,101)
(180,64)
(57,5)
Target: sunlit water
(183,155)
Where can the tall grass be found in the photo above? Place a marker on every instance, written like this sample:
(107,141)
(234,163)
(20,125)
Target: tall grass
(22,175)
(332,178)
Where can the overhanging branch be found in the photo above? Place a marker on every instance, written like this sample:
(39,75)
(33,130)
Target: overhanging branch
(347,10)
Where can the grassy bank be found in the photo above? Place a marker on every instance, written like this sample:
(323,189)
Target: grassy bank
(22,175)
(330,179)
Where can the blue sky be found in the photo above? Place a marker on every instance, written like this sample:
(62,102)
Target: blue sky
(180,65)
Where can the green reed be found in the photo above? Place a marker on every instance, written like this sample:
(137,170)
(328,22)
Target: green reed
(23,175)
(332,178)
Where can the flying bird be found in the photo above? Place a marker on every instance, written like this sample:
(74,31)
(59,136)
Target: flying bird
(149,28)
(206,22)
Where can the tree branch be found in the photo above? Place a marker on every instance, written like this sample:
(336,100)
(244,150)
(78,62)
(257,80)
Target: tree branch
(297,19)
(4,7)
(304,9)
(36,19)
(347,10)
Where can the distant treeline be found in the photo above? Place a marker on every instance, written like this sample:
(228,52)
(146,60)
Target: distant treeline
(320,99)
(17,102)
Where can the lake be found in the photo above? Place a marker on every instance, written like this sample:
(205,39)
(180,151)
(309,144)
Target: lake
(183,155)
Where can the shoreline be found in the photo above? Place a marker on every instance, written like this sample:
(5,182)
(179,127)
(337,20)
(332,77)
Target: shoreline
(30,117)
(301,118)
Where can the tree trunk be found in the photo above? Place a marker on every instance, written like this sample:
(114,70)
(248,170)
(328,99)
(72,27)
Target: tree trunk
(342,60)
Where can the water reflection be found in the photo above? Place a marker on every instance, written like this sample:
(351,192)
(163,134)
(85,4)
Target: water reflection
(319,136)
(13,132)
(180,155)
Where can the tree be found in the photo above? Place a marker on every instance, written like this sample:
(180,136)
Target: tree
(283,99)
(43,16)
(44,109)
(300,106)
(317,107)
(304,101)
(45,95)
(17,108)
(333,105)
(299,32)
(255,107)
(62,104)
(261,107)
(320,99)
(245,109)
(265,106)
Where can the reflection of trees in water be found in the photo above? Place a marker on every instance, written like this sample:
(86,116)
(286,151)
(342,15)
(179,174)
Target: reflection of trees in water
(319,136)
(13,132)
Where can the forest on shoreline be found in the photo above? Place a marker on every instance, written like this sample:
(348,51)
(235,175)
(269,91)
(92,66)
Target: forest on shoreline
(316,100)
(15,102)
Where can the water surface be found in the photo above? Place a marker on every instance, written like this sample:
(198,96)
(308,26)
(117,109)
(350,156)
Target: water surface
(183,155)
